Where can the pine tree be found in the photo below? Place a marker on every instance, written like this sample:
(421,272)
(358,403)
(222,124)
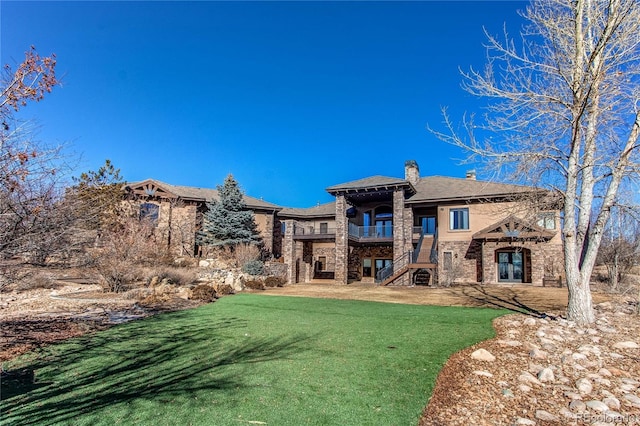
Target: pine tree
(227,222)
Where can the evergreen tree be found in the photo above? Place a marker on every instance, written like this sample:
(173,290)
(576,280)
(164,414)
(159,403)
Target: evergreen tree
(226,221)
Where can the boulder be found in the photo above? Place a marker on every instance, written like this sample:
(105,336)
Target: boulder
(483,355)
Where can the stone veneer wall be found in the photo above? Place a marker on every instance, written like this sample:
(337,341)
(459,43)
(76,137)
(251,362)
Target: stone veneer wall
(466,261)
(398,226)
(328,251)
(289,251)
(264,222)
(342,241)
(545,260)
(177,226)
(359,253)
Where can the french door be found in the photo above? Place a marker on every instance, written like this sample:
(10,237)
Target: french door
(510,267)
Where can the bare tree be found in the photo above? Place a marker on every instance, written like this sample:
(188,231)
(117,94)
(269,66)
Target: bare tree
(620,247)
(563,112)
(30,172)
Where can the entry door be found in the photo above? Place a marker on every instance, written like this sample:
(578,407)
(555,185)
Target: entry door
(381,264)
(510,267)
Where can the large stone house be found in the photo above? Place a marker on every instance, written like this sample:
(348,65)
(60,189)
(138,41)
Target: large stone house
(386,230)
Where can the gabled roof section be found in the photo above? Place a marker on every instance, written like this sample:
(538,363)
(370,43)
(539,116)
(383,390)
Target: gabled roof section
(373,183)
(321,211)
(441,188)
(156,188)
(513,228)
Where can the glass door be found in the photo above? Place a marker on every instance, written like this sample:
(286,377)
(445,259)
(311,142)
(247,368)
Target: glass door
(381,264)
(510,267)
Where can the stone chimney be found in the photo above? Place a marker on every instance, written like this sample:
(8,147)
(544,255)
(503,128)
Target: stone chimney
(471,174)
(411,172)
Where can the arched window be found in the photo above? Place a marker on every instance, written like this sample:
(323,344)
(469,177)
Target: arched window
(150,212)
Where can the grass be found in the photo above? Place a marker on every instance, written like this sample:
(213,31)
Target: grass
(249,359)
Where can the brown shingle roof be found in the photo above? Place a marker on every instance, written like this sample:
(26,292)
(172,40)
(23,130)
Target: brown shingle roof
(323,210)
(441,188)
(370,182)
(204,194)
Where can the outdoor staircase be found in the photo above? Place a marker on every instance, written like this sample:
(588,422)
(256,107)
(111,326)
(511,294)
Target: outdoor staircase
(424,257)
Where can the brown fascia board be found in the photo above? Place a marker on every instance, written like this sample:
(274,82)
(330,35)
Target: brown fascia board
(250,203)
(377,188)
(464,198)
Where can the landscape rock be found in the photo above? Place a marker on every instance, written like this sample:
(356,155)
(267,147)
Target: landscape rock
(527,377)
(577,406)
(546,375)
(632,399)
(483,355)
(546,416)
(597,405)
(538,354)
(626,345)
(584,386)
(612,402)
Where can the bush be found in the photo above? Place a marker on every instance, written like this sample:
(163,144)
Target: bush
(36,281)
(255,285)
(224,289)
(204,293)
(176,276)
(137,294)
(117,275)
(253,267)
(245,253)
(274,282)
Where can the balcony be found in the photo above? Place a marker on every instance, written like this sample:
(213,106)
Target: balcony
(371,233)
(308,232)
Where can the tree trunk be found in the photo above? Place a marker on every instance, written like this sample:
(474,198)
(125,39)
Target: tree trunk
(613,274)
(580,308)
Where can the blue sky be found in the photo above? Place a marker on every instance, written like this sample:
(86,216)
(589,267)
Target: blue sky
(289,97)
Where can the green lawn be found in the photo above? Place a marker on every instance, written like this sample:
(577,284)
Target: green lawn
(249,359)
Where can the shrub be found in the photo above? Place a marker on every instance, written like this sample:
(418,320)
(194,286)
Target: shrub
(204,293)
(176,276)
(253,267)
(36,281)
(245,253)
(137,294)
(255,284)
(274,282)
(224,289)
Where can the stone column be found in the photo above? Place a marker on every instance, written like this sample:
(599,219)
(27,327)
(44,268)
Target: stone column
(342,241)
(398,226)
(289,251)
(408,229)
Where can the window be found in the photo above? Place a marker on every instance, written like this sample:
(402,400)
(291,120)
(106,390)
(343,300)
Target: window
(366,221)
(150,212)
(384,221)
(547,220)
(283,227)
(324,227)
(366,267)
(459,218)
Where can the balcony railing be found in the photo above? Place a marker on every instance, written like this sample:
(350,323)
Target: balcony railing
(309,230)
(372,232)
